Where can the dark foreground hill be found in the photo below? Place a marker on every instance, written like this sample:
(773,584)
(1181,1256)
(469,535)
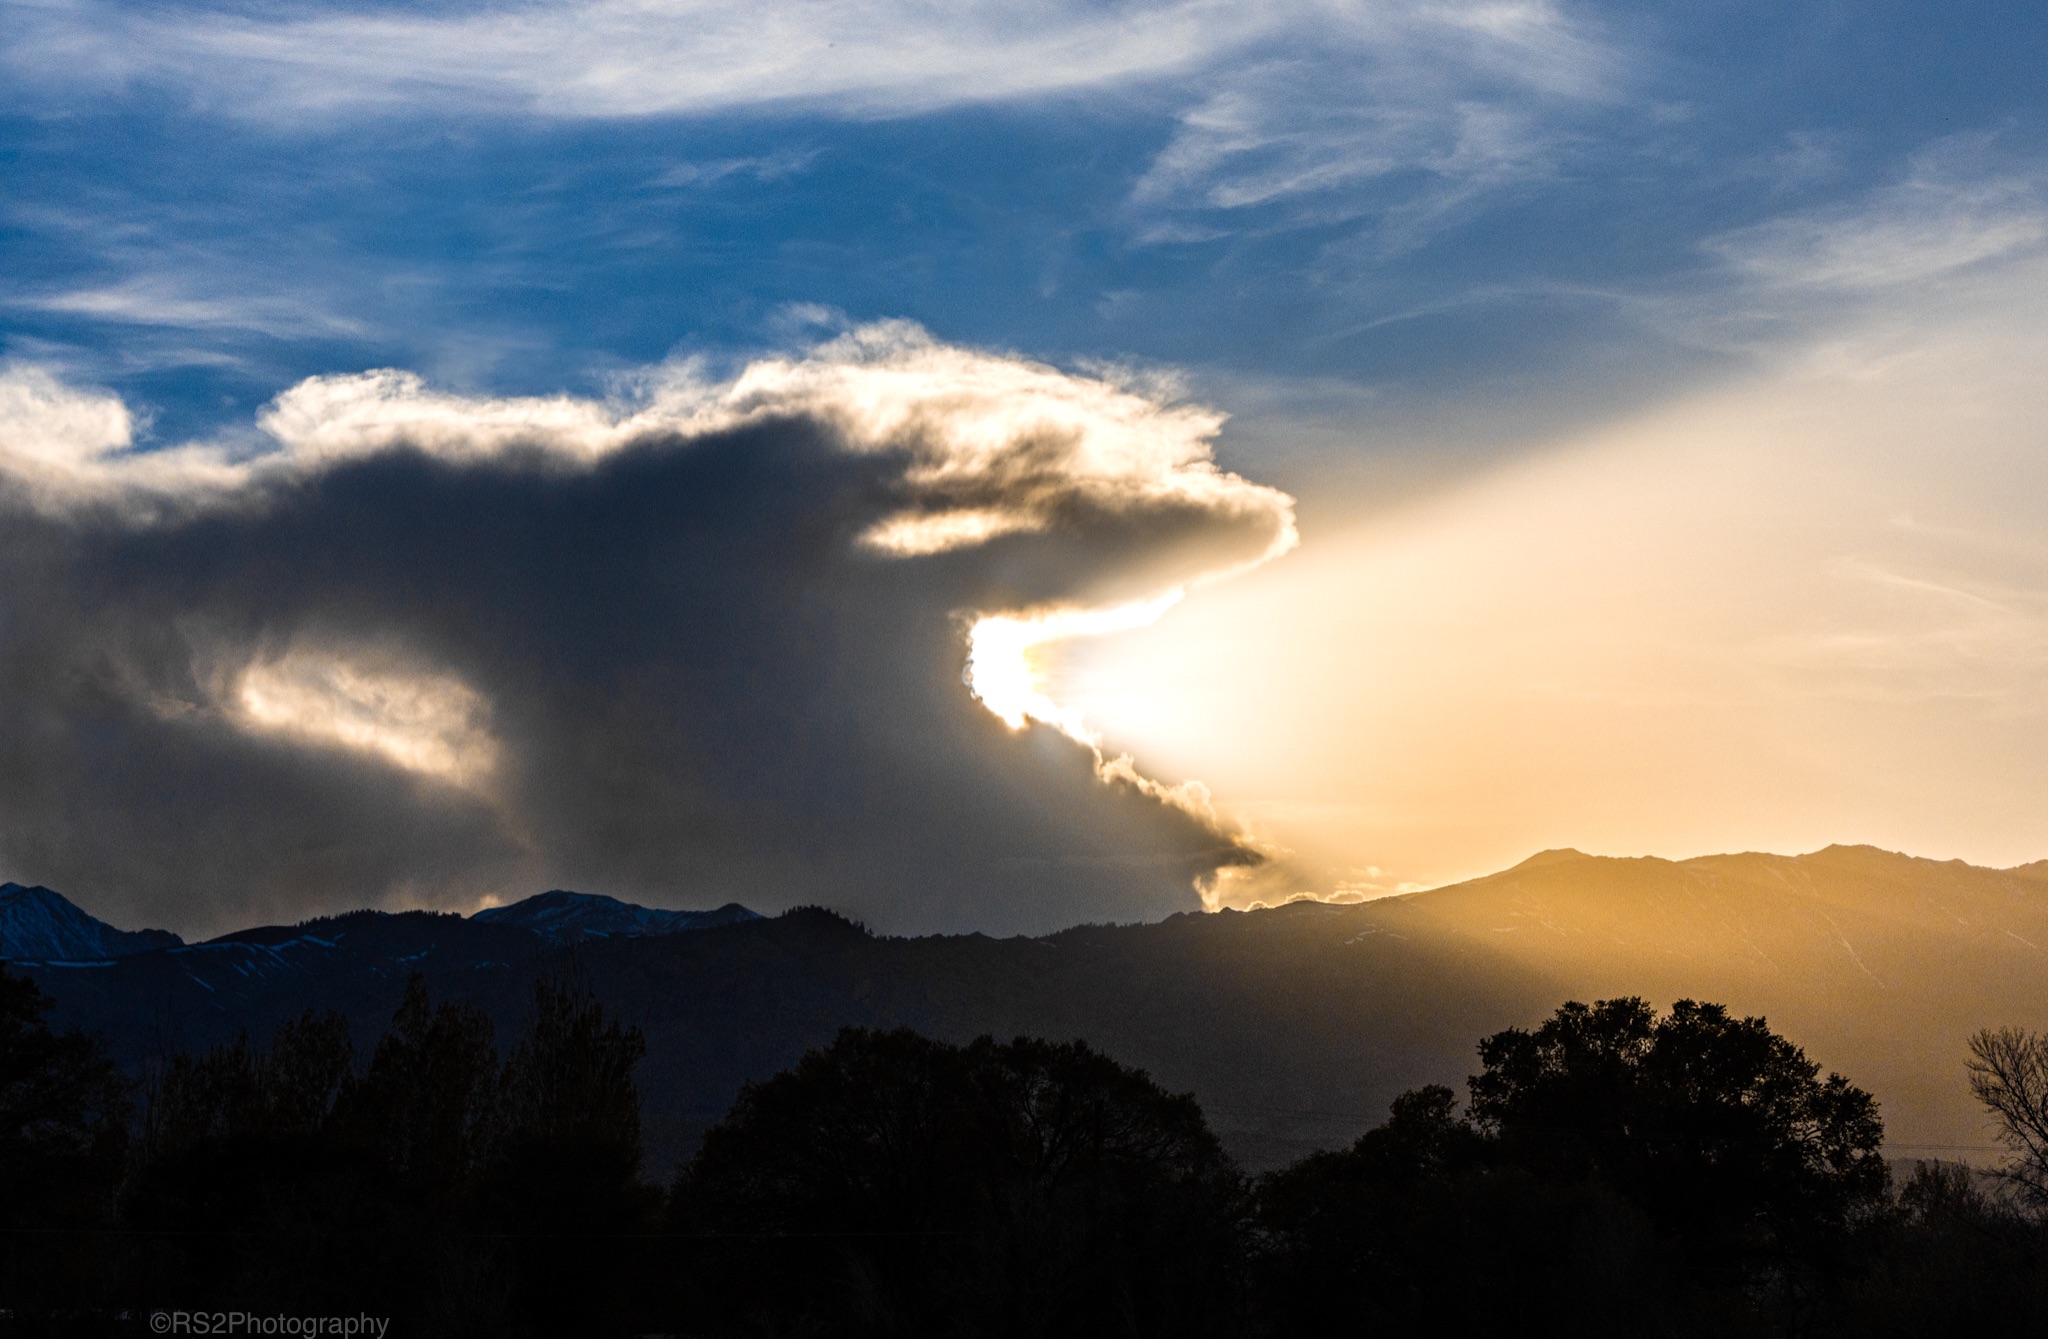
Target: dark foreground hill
(1294,1026)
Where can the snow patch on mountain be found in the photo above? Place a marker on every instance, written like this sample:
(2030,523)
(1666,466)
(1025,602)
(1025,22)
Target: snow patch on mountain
(38,925)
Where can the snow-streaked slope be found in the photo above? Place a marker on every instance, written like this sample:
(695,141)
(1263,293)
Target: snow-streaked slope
(566,917)
(39,925)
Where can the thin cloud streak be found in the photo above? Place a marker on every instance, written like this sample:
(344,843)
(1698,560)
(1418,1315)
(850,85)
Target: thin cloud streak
(1315,104)
(1472,99)
(160,301)
(609,59)
(1956,206)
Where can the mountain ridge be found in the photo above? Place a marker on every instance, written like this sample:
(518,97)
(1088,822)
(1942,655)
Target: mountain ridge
(38,923)
(565,917)
(1294,1025)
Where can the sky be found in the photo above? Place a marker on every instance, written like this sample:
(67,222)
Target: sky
(994,466)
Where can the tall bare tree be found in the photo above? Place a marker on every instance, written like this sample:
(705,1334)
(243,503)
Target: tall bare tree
(2009,1075)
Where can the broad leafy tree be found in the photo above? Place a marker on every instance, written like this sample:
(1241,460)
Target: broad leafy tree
(1615,1173)
(894,1185)
(1718,1128)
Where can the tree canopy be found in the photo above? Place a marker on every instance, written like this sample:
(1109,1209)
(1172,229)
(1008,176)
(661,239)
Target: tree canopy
(1719,1129)
(892,1184)
(1682,1170)
(1612,1172)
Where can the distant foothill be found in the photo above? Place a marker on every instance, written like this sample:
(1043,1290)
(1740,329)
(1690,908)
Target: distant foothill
(1295,1025)
(42,926)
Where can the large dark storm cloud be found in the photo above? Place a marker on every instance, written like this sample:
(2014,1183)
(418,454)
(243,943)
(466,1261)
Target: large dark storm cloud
(436,657)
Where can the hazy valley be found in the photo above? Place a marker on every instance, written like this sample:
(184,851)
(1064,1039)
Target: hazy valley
(1294,1026)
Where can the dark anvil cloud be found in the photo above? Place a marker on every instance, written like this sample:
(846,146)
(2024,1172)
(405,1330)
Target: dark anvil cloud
(705,644)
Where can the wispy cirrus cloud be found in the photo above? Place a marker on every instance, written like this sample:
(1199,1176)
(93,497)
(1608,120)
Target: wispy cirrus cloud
(1955,206)
(1853,281)
(761,167)
(166,300)
(609,58)
(1305,101)
(1403,110)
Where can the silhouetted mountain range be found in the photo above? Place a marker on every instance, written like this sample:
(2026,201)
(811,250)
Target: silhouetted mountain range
(1294,1026)
(37,923)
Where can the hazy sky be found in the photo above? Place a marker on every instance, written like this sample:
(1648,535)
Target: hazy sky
(453,449)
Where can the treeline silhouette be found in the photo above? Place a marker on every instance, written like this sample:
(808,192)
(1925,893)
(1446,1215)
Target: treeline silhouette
(1612,1172)
(432,1183)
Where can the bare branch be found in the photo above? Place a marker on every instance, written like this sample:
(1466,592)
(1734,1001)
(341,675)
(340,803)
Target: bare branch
(2009,1075)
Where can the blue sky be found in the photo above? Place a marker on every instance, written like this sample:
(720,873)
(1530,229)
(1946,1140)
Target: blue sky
(1515,200)
(1656,388)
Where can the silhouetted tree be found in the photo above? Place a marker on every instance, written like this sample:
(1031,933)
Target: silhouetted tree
(894,1185)
(235,1089)
(427,1106)
(1420,1228)
(1107,1193)
(1618,1173)
(570,1082)
(1615,1173)
(243,1195)
(1715,1126)
(2009,1075)
(63,1133)
(1952,1260)
(436,1185)
(563,1180)
(310,1062)
(192,1098)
